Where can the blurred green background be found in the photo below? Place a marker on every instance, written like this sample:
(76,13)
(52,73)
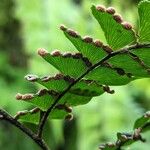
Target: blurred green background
(26,26)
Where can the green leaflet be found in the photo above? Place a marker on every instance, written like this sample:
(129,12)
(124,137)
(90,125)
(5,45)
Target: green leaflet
(93,50)
(143,54)
(117,33)
(44,98)
(108,76)
(28,116)
(87,88)
(59,83)
(68,64)
(130,64)
(75,100)
(33,116)
(142,121)
(144,14)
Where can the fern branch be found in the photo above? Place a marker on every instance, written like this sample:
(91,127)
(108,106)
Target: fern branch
(119,35)
(124,139)
(47,113)
(7,117)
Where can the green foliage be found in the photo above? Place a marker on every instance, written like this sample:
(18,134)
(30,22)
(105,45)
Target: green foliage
(118,33)
(33,116)
(142,121)
(118,70)
(60,82)
(125,139)
(67,63)
(144,15)
(93,51)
